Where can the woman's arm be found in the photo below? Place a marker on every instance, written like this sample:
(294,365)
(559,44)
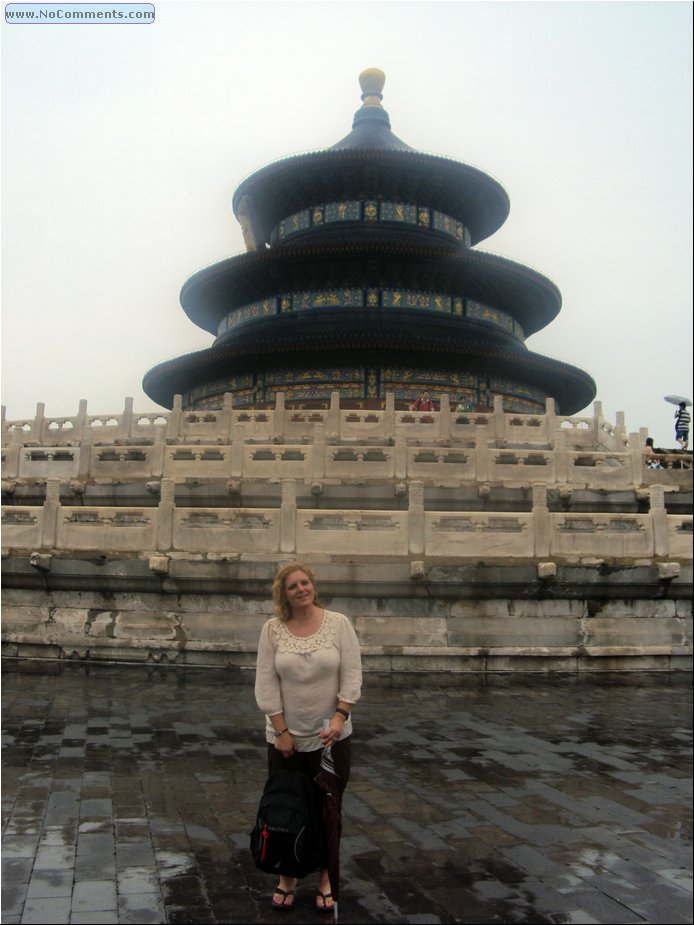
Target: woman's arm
(350,664)
(349,690)
(268,694)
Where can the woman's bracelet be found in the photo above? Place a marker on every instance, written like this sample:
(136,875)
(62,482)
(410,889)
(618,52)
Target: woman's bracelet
(280,733)
(345,713)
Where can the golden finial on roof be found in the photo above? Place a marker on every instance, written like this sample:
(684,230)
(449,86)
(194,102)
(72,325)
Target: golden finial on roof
(371,81)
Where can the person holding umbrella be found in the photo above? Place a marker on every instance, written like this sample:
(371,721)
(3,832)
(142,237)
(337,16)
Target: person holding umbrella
(308,678)
(682,422)
(682,418)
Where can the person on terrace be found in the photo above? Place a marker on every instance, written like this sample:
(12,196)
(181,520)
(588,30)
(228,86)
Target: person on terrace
(423,403)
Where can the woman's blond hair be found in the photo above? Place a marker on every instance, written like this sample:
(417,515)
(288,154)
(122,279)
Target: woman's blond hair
(279,593)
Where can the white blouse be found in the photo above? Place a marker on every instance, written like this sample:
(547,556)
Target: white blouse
(305,677)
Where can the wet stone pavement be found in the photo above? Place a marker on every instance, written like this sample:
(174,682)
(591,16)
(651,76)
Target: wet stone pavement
(128,793)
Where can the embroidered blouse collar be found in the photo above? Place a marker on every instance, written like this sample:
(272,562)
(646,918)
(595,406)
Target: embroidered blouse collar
(322,638)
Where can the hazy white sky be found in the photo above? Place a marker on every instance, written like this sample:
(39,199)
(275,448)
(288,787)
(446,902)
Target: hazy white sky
(122,146)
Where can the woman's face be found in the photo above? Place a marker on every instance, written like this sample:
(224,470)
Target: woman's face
(299,589)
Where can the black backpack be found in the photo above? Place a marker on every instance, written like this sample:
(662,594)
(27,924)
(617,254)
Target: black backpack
(287,836)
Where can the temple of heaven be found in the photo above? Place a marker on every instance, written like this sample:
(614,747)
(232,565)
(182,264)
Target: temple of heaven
(361,278)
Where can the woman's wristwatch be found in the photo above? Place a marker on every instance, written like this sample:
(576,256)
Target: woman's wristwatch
(344,713)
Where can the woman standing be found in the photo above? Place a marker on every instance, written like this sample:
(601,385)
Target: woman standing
(308,670)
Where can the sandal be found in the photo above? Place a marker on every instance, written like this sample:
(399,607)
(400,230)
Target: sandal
(284,905)
(324,907)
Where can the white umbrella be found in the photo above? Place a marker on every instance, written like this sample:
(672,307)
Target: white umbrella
(677,399)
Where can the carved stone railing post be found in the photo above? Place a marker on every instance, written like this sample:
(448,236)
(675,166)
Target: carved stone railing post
(661,538)
(288,516)
(126,428)
(400,456)
(12,454)
(481,453)
(635,445)
(237,455)
(318,450)
(445,417)
(550,419)
(561,457)
(279,421)
(620,429)
(80,420)
(165,520)
(36,433)
(158,448)
(389,419)
(499,422)
(51,511)
(541,521)
(597,419)
(85,450)
(334,420)
(175,419)
(225,418)
(416,518)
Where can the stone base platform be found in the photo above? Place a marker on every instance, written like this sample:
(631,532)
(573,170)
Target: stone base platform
(410,617)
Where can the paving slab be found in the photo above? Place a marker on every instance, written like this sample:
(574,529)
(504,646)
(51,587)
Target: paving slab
(129,791)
